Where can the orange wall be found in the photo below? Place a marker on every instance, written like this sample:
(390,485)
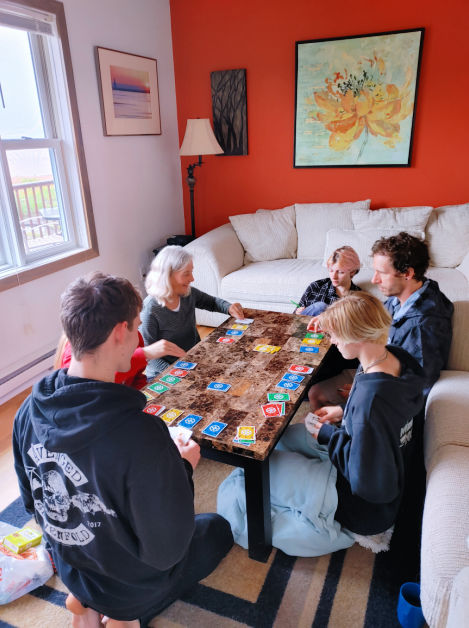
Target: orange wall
(260,35)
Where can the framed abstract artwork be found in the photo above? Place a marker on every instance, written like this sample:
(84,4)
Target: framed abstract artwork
(229,106)
(355,99)
(128,86)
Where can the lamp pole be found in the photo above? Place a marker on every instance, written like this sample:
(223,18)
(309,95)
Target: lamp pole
(191,183)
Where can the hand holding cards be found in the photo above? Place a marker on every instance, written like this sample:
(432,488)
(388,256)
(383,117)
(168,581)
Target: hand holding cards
(313,424)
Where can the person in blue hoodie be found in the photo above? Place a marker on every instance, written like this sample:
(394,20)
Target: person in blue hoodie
(111,490)
(331,486)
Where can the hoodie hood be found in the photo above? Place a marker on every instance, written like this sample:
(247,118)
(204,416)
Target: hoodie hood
(430,302)
(69,413)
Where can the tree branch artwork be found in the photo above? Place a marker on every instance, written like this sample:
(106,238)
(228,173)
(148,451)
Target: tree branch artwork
(229,105)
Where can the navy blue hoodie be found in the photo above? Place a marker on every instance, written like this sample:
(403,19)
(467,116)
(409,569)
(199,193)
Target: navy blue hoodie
(373,446)
(109,488)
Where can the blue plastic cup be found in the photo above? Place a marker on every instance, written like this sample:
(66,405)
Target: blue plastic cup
(409,608)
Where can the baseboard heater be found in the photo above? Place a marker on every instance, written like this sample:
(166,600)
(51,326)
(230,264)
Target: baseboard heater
(26,367)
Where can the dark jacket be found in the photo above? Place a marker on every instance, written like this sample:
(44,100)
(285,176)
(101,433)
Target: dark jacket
(373,446)
(425,330)
(109,488)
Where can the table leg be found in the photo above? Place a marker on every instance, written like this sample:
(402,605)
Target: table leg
(256,477)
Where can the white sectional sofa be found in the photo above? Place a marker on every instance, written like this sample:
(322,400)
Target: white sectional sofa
(265,260)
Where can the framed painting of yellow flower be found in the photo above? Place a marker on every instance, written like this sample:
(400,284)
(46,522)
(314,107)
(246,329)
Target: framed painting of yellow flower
(355,99)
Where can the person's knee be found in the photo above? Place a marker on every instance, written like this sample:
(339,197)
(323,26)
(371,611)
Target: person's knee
(216,528)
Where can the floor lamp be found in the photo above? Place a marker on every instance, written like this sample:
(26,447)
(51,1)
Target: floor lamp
(199,139)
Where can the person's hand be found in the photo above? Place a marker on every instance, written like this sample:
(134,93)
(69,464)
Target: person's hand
(299,309)
(313,424)
(313,324)
(345,390)
(330,414)
(190,451)
(161,348)
(236,311)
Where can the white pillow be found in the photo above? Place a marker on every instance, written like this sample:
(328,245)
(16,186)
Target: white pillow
(313,221)
(402,218)
(448,235)
(361,241)
(267,234)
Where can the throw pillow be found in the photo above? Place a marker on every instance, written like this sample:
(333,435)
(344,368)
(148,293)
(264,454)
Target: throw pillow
(402,218)
(313,221)
(448,235)
(267,234)
(361,241)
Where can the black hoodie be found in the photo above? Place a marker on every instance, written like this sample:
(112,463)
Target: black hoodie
(109,488)
(372,448)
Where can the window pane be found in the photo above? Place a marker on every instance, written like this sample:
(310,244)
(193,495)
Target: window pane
(37,198)
(20,113)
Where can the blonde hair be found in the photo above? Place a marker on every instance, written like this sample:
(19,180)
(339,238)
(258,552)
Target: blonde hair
(168,261)
(348,258)
(357,317)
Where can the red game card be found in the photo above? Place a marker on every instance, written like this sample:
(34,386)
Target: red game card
(154,409)
(272,409)
(299,368)
(225,340)
(178,372)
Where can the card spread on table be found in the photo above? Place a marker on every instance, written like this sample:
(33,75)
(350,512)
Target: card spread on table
(314,334)
(311,342)
(214,428)
(305,349)
(170,379)
(233,332)
(244,321)
(273,409)
(190,420)
(245,434)
(178,372)
(218,386)
(154,409)
(267,348)
(170,415)
(179,433)
(239,326)
(278,396)
(292,377)
(181,364)
(158,388)
(224,340)
(148,395)
(284,383)
(299,368)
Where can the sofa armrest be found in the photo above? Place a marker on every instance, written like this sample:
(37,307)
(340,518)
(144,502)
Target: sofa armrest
(216,254)
(464,266)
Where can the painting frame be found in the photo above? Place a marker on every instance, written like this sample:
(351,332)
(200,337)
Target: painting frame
(355,99)
(128,91)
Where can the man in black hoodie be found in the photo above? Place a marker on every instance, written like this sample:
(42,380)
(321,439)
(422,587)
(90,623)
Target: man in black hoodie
(112,492)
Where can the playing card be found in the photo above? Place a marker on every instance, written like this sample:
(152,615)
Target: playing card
(284,383)
(311,341)
(271,409)
(154,409)
(237,326)
(244,321)
(181,364)
(190,420)
(305,349)
(170,415)
(314,334)
(225,340)
(233,332)
(278,396)
(158,388)
(218,386)
(170,379)
(246,432)
(299,368)
(262,348)
(292,377)
(148,395)
(214,428)
(179,433)
(178,372)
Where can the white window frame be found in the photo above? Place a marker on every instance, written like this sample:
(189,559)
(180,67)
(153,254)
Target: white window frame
(57,96)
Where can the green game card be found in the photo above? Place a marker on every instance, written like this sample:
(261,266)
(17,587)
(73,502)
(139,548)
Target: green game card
(158,388)
(278,396)
(170,379)
(312,334)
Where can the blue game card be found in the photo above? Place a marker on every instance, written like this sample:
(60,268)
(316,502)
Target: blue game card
(218,386)
(304,349)
(214,428)
(180,364)
(293,378)
(190,420)
(284,383)
(233,332)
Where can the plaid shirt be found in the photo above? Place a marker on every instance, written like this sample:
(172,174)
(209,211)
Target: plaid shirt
(322,290)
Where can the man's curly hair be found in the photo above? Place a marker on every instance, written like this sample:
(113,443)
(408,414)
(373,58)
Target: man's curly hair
(405,251)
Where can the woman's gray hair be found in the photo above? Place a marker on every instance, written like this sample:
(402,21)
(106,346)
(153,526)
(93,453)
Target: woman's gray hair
(169,260)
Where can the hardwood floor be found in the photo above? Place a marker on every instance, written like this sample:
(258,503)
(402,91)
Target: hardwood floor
(8,410)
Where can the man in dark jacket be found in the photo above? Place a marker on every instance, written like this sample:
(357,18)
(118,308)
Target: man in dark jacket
(111,490)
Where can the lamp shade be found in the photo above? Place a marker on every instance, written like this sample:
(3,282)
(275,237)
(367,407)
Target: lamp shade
(199,139)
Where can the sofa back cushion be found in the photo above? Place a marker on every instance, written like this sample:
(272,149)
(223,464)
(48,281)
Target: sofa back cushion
(447,235)
(267,234)
(401,218)
(313,221)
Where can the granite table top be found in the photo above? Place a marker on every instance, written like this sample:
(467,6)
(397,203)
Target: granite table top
(250,373)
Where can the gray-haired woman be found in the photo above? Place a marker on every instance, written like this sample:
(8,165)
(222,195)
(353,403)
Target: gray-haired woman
(169,309)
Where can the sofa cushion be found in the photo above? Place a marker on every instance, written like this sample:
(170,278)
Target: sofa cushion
(448,235)
(401,218)
(271,282)
(267,234)
(361,241)
(313,221)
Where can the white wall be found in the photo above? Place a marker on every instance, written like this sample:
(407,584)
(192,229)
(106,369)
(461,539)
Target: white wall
(135,182)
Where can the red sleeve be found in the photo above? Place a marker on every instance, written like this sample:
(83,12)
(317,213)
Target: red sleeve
(66,356)
(135,376)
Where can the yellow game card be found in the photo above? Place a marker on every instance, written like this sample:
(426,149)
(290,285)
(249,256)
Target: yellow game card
(238,326)
(311,341)
(274,349)
(170,415)
(246,432)
(262,348)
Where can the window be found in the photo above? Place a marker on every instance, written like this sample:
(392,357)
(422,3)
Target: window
(46,220)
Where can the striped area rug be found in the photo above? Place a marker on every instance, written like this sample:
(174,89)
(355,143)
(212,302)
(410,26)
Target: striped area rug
(347,589)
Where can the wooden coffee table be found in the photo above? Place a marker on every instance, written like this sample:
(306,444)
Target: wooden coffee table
(252,375)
